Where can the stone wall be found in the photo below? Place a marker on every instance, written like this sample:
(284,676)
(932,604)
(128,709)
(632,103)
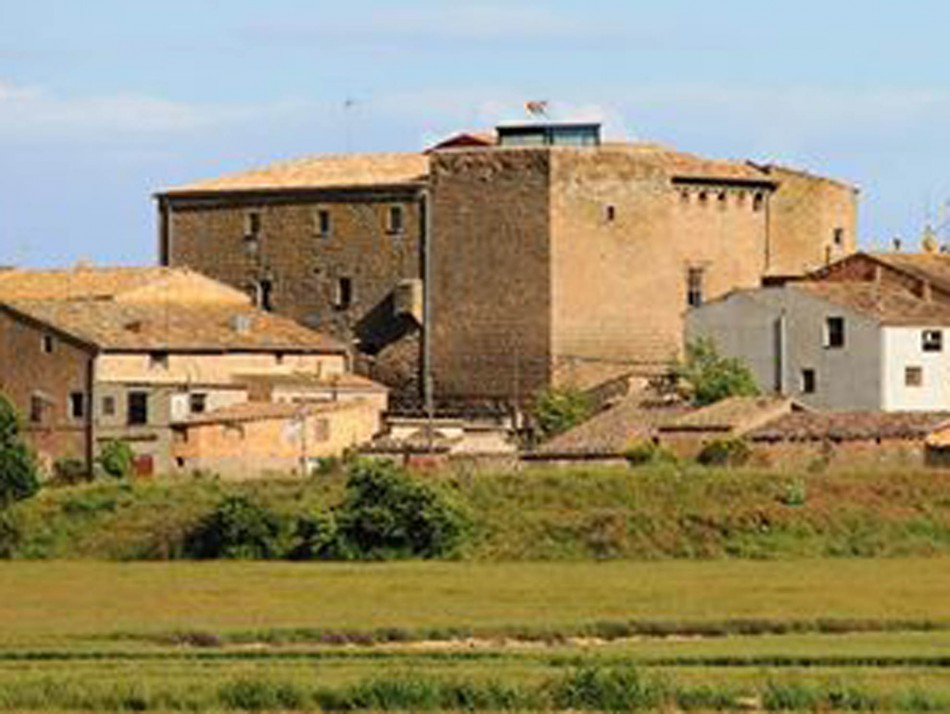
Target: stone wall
(304,266)
(625,238)
(804,215)
(28,370)
(491,273)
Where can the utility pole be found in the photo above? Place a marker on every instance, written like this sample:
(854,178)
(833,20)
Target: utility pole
(428,398)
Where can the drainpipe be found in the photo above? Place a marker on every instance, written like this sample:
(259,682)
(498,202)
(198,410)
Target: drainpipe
(782,355)
(90,452)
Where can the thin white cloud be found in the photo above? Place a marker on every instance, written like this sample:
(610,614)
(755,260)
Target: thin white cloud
(36,113)
(452,24)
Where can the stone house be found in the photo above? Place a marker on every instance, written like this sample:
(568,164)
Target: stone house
(251,439)
(836,344)
(90,355)
(553,257)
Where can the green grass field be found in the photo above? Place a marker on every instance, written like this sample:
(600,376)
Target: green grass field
(812,634)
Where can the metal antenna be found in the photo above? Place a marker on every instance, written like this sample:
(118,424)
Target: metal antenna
(348,105)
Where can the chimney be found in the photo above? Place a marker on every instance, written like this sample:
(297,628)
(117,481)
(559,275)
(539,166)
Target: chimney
(241,323)
(925,292)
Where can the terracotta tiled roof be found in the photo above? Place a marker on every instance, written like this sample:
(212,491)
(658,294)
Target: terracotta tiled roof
(465,139)
(80,282)
(849,426)
(613,430)
(264,411)
(890,305)
(335,381)
(328,171)
(114,326)
(139,284)
(730,414)
(933,267)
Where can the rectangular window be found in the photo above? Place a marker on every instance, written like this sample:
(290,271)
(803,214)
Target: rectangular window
(137,412)
(394,221)
(931,340)
(252,224)
(838,237)
(913,376)
(834,332)
(197,402)
(77,405)
(263,295)
(37,409)
(694,287)
(158,360)
(252,232)
(344,294)
(808,382)
(321,223)
(108,406)
(49,344)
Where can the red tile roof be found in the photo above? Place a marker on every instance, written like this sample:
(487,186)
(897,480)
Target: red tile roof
(115,326)
(887,304)
(314,172)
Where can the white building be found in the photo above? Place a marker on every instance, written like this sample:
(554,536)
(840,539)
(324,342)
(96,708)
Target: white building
(836,345)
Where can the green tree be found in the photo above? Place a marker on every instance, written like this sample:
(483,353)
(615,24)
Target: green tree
(18,471)
(387,514)
(240,528)
(558,409)
(117,458)
(709,377)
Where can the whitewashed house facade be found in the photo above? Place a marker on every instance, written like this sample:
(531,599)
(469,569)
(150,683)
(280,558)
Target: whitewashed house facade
(836,345)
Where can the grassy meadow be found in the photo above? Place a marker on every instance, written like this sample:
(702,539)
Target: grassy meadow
(855,633)
(670,588)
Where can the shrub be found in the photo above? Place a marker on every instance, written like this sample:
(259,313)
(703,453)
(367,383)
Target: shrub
(317,537)
(116,458)
(18,470)
(239,528)
(645,452)
(559,409)
(10,534)
(388,514)
(613,690)
(725,452)
(710,377)
(795,493)
(69,472)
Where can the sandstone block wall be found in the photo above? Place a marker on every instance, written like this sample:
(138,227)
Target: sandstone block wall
(304,267)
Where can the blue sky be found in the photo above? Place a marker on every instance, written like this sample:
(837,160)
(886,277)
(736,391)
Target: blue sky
(104,101)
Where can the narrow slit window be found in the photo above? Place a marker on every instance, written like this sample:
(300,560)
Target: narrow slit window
(808,381)
(322,223)
(394,219)
(344,294)
(694,287)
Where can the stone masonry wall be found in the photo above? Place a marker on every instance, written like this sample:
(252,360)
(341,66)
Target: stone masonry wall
(804,215)
(624,241)
(491,273)
(304,267)
(27,370)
